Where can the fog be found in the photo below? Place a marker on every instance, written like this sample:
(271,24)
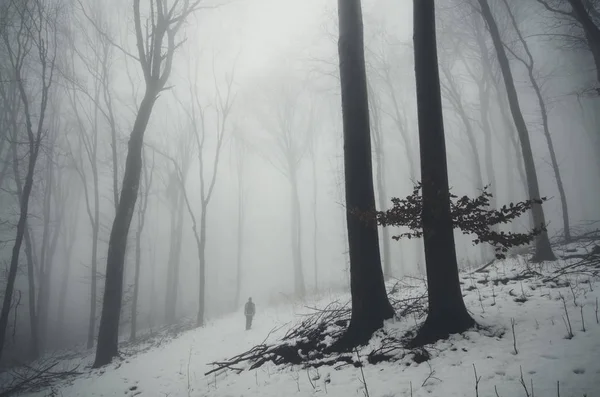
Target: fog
(249,127)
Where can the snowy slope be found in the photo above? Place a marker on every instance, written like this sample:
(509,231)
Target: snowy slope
(546,358)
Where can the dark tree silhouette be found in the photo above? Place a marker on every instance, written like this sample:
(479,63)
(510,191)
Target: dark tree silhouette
(156,50)
(447,313)
(370,305)
(543,249)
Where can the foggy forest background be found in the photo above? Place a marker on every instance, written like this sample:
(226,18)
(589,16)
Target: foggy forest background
(241,192)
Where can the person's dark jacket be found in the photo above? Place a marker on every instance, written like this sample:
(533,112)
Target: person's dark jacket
(249,309)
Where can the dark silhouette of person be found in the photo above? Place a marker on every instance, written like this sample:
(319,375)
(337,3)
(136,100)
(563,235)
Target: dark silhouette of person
(249,311)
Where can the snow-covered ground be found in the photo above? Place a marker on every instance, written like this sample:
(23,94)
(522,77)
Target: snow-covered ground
(547,359)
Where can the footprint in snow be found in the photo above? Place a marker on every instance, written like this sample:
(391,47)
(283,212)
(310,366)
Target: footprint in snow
(579,371)
(549,357)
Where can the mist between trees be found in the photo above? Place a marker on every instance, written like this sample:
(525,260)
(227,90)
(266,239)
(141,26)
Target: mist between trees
(163,160)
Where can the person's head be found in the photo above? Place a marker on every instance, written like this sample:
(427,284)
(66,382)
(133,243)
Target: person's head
(249,299)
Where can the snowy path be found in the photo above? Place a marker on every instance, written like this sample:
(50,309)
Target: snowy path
(176,368)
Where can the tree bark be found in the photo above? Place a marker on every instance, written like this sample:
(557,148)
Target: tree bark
(543,249)
(108,336)
(447,313)
(370,305)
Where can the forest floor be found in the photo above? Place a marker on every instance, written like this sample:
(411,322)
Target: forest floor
(542,338)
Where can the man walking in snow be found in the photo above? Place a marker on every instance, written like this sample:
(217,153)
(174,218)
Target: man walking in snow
(249,310)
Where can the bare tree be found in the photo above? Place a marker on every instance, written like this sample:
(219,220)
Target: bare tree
(239,154)
(196,113)
(543,247)
(578,21)
(69,196)
(176,203)
(142,206)
(87,127)
(291,136)
(156,49)
(31,40)
(529,64)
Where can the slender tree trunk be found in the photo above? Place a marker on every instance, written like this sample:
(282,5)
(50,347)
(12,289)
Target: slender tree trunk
(370,305)
(14,261)
(555,166)
(529,65)
(176,237)
(108,337)
(64,282)
(447,313)
(29,255)
(94,264)
(296,223)
(136,283)
(240,238)
(378,143)
(315,222)
(202,269)
(543,248)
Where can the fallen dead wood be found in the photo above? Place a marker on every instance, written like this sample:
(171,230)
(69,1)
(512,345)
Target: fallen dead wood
(30,378)
(309,342)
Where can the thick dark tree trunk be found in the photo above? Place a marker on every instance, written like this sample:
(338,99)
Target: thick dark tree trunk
(370,305)
(543,249)
(108,336)
(447,313)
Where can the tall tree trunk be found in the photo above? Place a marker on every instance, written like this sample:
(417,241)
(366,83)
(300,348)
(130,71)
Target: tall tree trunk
(14,261)
(543,249)
(315,221)
(370,305)
(530,65)
(29,255)
(296,223)
(94,264)
(108,336)
(202,269)
(447,313)
(176,237)
(136,284)
(378,143)
(240,237)
(64,282)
